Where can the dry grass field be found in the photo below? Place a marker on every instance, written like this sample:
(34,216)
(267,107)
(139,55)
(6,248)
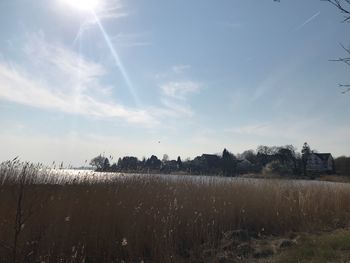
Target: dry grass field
(150,218)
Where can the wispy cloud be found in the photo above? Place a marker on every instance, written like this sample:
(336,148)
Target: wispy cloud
(276,80)
(174,98)
(55,62)
(176,109)
(180,90)
(112,10)
(175,73)
(132,39)
(107,10)
(52,77)
(307,21)
(180,68)
(293,129)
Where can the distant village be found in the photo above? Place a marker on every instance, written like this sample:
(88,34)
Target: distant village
(280,160)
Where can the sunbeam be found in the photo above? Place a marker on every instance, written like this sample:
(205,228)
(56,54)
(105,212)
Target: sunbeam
(117,59)
(79,34)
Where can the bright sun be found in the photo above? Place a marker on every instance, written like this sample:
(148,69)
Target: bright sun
(83,5)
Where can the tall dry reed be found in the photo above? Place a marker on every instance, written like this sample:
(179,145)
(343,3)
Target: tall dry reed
(153,218)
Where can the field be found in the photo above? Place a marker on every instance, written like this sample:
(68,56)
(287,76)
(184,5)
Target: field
(154,218)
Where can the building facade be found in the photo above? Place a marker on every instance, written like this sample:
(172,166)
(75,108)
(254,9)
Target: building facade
(320,163)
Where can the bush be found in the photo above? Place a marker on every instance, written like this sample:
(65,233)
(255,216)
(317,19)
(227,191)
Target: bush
(342,165)
(277,168)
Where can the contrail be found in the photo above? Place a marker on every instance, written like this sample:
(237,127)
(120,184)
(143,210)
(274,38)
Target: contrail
(307,21)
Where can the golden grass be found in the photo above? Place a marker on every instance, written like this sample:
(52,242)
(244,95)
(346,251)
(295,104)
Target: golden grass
(156,219)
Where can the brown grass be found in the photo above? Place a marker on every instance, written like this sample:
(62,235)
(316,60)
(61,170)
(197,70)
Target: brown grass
(335,178)
(154,219)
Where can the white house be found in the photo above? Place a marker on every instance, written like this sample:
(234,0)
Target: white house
(320,163)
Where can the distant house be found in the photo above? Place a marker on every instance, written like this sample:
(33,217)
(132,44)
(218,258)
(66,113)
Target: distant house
(211,160)
(320,163)
(205,164)
(170,166)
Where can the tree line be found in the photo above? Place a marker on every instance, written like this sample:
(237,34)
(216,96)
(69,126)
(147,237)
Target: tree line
(282,160)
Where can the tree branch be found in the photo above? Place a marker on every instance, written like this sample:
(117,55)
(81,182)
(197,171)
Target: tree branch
(347,86)
(343,6)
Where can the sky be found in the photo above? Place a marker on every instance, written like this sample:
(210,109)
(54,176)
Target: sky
(182,78)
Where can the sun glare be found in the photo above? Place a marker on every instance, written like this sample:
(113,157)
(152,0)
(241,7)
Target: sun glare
(83,5)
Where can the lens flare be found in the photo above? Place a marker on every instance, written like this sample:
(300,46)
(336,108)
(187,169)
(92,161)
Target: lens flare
(117,60)
(83,5)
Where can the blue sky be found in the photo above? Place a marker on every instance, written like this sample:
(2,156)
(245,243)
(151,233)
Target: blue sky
(177,77)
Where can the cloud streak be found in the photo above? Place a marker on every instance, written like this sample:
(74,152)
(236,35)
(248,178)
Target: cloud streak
(54,78)
(132,39)
(180,90)
(175,95)
(180,68)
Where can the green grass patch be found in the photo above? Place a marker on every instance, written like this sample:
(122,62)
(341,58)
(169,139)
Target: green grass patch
(329,247)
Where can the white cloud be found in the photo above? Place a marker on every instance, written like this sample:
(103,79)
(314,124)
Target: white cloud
(176,109)
(56,62)
(180,90)
(177,72)
(53,77)
(175,96)
(132,39)
(276,80)
(180,68)
(111,13)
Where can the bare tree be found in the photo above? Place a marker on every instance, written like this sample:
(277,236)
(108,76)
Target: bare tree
(344,7)
(346,60)
(98,162)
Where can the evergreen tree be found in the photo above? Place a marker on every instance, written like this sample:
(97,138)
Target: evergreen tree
(305,154)
(106,165)
(179,163)
(229,163)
